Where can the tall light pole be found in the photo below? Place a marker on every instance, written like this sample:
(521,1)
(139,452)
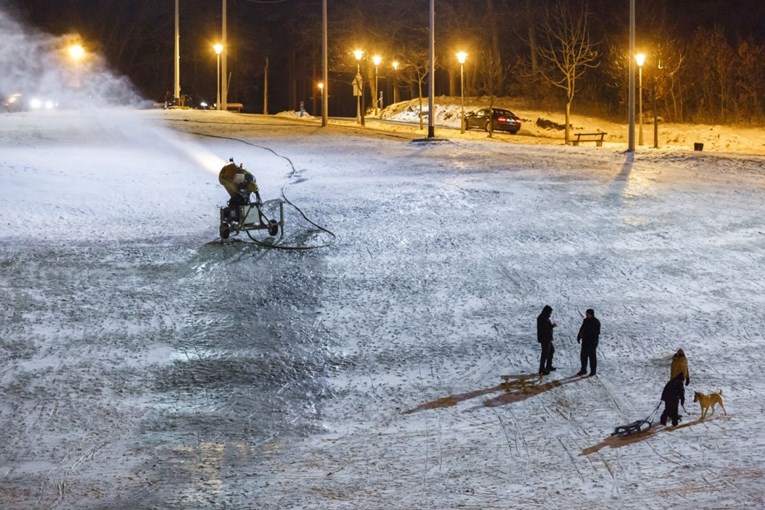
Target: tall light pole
(325,64)
(659,67)
(218,49)
(376,60)
(631,91)
(224,68)
(432,84)
(265,88)
(358,86)
(395,81)
(461,57)
(177,58)
(640,60)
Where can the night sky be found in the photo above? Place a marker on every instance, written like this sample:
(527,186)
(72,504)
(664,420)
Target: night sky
(136,36)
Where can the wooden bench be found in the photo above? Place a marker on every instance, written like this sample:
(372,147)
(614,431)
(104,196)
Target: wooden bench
(235,107)
(589,137)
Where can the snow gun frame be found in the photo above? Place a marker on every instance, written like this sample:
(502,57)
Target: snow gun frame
(249,217)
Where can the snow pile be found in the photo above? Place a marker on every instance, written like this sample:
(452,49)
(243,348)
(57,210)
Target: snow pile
(544,126)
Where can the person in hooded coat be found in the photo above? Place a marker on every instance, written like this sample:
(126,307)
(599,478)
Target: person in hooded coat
(545,338)
(588,335)
(673,397)
(680,366)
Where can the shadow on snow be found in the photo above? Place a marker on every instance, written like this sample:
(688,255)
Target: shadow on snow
(515,388)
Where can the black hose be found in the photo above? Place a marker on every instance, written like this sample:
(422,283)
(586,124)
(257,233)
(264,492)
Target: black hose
(287,200)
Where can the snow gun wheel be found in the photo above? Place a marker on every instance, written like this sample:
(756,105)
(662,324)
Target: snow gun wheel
(224,231)
(273,228)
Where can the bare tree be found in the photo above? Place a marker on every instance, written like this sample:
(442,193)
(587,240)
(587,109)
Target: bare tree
(750,80)
(493,75)
(670,61)
(415,70)
(567,50)
(532,39)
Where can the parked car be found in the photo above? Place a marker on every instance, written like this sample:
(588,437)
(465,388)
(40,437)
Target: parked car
(13,103)
(502,120)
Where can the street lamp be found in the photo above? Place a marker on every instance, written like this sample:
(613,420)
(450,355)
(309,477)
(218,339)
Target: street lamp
(640,60)
(218,50)
(376,61)
(461,57)
(321,96)
(358,88)
(76,53)
(395,81)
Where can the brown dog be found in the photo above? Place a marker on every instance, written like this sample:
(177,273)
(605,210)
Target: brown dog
(707,401)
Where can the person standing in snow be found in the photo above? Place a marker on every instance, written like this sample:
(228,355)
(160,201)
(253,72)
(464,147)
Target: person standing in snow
(545,328)
(588,336)
(680,366)
(673,395)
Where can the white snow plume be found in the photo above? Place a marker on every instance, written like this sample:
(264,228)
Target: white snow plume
(39,70)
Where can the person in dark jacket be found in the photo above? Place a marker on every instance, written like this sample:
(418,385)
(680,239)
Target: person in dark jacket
(545,338)
(588,336)
(673,395)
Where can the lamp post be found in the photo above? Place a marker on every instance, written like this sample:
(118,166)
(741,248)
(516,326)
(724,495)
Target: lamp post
(640,60)
(395,81)
(324,64)
(76,52)
(218,50)
(461,57)
(358,88)
(321,96)
(631,83)
(376,61)
(432,72)
(177,57)
(224,59)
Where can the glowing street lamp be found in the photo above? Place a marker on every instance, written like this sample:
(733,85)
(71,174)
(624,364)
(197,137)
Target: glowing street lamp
(218,47)
(640,60)
(461,58)
(395,81)
(376,61)
(76,53)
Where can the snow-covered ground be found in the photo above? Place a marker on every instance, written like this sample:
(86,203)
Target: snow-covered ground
(145,365)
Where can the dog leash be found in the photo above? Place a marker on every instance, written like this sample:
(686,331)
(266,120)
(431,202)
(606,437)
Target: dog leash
(654,412)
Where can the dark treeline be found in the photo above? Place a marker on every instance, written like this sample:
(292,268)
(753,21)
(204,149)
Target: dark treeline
(704,57)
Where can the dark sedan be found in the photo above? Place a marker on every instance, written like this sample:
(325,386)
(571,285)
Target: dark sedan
(502,120)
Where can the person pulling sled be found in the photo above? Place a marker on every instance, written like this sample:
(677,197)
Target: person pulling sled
(673,397)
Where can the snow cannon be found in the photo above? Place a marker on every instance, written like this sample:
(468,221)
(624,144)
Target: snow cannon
(244,211)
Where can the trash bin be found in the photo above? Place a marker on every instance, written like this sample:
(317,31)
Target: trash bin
(698,146)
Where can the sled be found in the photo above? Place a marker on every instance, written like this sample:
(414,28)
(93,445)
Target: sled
(520,380)
(635,427)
